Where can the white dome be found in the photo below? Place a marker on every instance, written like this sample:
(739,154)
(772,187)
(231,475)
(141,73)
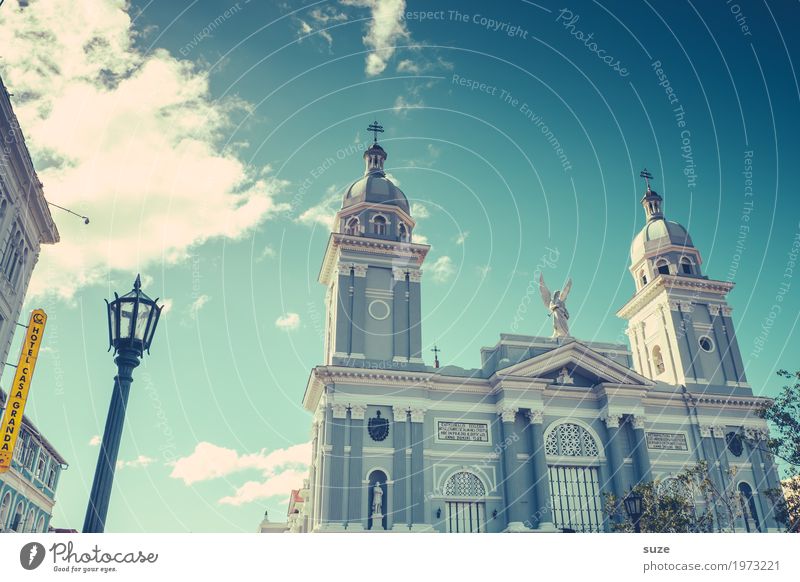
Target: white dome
(658,234)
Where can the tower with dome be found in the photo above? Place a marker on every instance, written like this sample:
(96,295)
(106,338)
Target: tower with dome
(532,438)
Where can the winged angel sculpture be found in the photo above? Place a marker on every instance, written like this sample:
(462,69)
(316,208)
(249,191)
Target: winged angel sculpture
(556,304)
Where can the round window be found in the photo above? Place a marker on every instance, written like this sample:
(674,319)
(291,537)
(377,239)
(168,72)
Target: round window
(706,344)
(379,309)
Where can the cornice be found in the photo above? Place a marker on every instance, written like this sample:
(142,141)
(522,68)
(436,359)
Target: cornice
(413,252)
(664,282)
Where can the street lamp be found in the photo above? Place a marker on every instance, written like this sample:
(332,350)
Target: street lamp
(634,508)
(132,321)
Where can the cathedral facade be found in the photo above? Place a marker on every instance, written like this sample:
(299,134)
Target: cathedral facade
(533,438)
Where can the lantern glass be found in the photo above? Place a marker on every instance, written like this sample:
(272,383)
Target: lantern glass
(142,320)
(132,319)
(633,505)
(126,318)
(112,321)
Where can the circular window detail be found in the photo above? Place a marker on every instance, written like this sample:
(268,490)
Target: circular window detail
(706,344)
(734,441)
(379,309)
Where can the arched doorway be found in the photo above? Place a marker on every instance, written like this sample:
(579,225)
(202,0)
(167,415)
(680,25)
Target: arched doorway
(573,468)
(465,503)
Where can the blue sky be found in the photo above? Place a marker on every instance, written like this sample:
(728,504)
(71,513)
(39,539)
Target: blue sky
(209,142)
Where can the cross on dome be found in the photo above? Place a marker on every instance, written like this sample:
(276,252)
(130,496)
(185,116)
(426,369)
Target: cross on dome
(375,128)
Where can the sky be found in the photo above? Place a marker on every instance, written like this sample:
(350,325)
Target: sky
(209,143)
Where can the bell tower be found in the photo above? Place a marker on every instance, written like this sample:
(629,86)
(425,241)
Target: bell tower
(372,272)
(679,322)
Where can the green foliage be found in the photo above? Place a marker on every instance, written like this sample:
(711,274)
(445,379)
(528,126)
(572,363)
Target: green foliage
(692,502)
(783,414)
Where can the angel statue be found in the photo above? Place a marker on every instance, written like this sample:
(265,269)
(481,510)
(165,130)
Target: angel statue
(555,303)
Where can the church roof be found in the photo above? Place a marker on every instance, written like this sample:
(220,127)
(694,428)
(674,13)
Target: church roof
(377,188)
(657,234)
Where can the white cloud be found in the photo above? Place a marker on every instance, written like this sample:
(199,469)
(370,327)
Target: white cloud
(282,469)
(402,105)
(198,304)
(131,139)
(139,462)
(408,66)
(419,210)
(288,321)
(442,269)
(462,237)
(324,213)
(386,29)
(95,441)
(280,485)
(484,270)
(167,305)
(267,253)
(420,239)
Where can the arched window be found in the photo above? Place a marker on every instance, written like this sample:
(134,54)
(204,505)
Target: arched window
(749,511)
(29,522)
(352,226)
(570,440)
(642,278)
(5,507)
(662,266)
(403,232)
(379,224)
(658,360)
(574,489)
(16,521)
(377,479)
(466,510)
(3,209)
(686,266)
(40,525)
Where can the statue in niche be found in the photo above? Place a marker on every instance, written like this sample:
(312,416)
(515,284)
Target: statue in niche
(377,500)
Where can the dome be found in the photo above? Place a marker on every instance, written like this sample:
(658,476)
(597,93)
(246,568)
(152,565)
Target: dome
(657,234)
(376,188)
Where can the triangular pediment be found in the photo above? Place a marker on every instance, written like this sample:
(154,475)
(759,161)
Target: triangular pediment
(576,364)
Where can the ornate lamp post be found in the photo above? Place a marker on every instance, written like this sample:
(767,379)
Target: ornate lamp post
(634,507)
(132,321)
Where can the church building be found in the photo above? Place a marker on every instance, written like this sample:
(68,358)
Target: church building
(532,439)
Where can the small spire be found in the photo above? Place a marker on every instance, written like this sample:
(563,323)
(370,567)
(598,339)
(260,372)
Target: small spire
(138,283)
(651,201)
(375,128)
(435,351)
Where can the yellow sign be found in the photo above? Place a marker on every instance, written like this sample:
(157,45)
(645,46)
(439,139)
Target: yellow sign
(18,395)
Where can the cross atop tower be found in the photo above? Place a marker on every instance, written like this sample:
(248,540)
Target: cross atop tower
(436,351)
(647,177)
(375,128)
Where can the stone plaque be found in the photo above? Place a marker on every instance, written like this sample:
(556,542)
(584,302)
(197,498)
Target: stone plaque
(667,441)
(476,432)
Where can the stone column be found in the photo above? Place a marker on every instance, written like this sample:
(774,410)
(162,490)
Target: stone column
(644,471)
(355,486)
(400,314)
(359,310)
(512,482)
(399,515)
(710,454)
(541,478)
(615,455)
(336,490)
(417,501)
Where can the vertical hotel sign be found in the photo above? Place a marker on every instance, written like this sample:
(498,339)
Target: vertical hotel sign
(18,394)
